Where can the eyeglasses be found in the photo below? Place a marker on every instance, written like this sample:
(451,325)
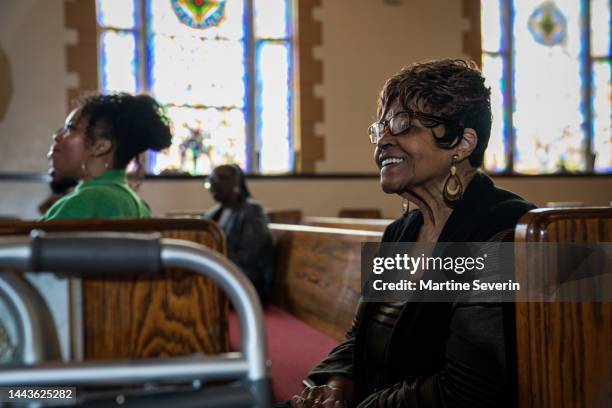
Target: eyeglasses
(401,122)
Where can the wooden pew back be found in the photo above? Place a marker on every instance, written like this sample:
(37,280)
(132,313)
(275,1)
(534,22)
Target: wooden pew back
(359,213)
(185,214)
(318,277)
(564,350)
(367,224)
(134,316)
(290,216)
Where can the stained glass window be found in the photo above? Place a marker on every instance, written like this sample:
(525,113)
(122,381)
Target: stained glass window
(227,88)
(548,65)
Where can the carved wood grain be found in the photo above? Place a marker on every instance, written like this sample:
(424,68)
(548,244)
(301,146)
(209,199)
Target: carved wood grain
(176,314)
(564,349)
(319,276)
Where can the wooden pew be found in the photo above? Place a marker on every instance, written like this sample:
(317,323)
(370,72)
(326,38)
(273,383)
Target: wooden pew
(368,224)
(138,316)
(291,216)
(564,349)
(317,287)
(185,214)
(318,277)
(359,213)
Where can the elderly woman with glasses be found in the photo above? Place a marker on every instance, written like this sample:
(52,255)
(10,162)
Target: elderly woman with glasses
(433,128)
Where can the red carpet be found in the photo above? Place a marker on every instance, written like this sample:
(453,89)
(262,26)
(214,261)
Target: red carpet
(293,347)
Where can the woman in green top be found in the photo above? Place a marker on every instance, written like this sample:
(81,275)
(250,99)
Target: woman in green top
(97,142)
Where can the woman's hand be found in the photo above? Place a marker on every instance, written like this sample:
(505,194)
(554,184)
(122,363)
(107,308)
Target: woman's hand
(322,396)
(335,394)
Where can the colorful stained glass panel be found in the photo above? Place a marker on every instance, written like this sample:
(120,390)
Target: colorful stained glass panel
(602,112)
(548,24)
(491,23)
(203,139)
(118,61)
(197,71)
(548,117)
(164,21)
(495,156)
(200,76)
(199,13)
(119,14)
(273,107)
(271,18)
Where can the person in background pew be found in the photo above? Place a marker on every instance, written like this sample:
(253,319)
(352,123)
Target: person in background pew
(433,128)
(245,224)
(99,139)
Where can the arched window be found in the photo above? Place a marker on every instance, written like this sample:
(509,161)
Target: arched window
(548,65)
(222,69)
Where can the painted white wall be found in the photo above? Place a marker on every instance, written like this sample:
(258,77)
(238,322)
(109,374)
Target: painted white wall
(33,37)
(315,197)
(325,197)
(364,43)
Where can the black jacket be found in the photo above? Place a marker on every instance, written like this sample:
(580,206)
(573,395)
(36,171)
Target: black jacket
(440,354)
(249,244)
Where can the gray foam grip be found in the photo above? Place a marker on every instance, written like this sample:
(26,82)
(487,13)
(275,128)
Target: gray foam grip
(86,253)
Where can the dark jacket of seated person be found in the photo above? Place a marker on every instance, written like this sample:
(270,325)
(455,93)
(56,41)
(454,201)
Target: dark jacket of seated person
(245,224)
(435,354)
(97,142)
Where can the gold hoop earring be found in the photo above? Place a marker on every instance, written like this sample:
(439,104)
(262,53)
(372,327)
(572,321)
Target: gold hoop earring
(405,206)
(84,168)
(453,189)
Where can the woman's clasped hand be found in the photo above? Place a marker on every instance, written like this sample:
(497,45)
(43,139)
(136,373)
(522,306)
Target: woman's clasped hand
(323,396)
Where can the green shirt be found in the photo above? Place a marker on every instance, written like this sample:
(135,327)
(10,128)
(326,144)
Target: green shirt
(106,196)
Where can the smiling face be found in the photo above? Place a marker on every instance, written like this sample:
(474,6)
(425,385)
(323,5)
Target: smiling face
(70,148)
(410,159)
